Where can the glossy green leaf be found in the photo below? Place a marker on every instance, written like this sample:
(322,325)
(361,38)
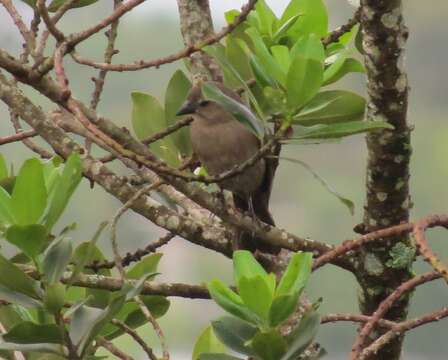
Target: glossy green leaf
(266,59)
(6,214)
(256,295)
(3,167)
(266,17)
(343,129)
(313,20)
(56,4)
(335,66)
(175,95)
(56,259)
(300,337)
(31,239)
(145,266)
(347,202)
(234,333)
(231,15)
(86,252)
(281,55)
(261,75)
(207,342)
(345,38)
(282,31)
(350,65)
(238,110)
(54,298)
(29,197)
(269,345)
(148,117)
(282,308)
(245,265)
(276,99)
(309,47)
(219,54)
(132,316)
(63,190)
(238,58)
(16,280)
(30,333)
(296,274)
(230,301)
(331,106)
(8,183)
(304,81)
(18,298)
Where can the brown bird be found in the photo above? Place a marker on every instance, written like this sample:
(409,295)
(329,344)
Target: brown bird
(221,142)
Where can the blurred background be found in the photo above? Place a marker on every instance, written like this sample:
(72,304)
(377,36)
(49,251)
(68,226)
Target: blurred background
(299,203)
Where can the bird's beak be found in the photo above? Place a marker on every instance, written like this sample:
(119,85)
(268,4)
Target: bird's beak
(186,108)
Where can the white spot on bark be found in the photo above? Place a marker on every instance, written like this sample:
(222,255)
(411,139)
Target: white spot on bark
(160,220)
(391,20)
(173,222)
(373,265)
(381,196)
(401,83)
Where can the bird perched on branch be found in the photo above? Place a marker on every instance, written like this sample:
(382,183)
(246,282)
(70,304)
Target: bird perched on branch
(221,142)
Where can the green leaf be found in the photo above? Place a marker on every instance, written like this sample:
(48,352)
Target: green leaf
(339,130)
(238,110)
(145,266)
(230,301)
(86,252)
(56,4)
(269,345)
(304,81)
(3,167)
(347,202)
(54,298)
(63,189)
(29,197)
(31,239)
(276,99)
(333,69)
(281,55)
(175,95)
(282,308)
(266,16)
(234,333)
(39,347)
(245,265)
(330,107)
(313,20)
(17,281)
(131,314)
(18,298)
(283,29)
(256,295)
(207,342)
(148,117)
(268,62)
(6,214)
(309,47)
(31,333)
(31,3)
(56,259)
(299,339)
(238,59)
(231,15)
(350,65)
(296,274)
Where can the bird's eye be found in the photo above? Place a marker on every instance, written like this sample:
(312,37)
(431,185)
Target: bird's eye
(203,103)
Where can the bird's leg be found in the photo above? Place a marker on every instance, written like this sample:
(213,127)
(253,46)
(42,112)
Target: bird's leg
(252,213)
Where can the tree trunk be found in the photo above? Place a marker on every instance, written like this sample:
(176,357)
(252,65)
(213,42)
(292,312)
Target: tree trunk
(387,178)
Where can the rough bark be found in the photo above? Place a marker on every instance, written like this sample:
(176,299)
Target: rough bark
(196,25)
(387,183)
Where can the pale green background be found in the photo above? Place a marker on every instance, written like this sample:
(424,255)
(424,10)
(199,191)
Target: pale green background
(299,203)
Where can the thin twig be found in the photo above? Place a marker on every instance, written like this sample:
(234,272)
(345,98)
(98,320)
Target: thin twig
(152,320)
(336,34)
(132,333)
(17,137)
(18,21)
(384,307)
(185,52)
(121,211)
(401,328)
(112,348)
(51,25)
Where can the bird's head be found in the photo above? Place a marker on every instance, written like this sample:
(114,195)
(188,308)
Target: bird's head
(194,101)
